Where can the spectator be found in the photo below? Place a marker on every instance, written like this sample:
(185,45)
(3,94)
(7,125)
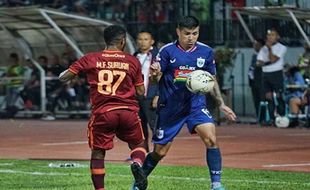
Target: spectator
(255,75)
(15,74)
(146,54)
(31,91)
(294,92)
(271,58)
(304,62)
(200,9)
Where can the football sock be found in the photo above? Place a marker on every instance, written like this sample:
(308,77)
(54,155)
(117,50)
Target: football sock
(214,161)
(149,164)
(138,155)
(97,170)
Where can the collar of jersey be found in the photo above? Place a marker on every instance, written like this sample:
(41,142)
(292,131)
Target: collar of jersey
(112,51)
(190,50)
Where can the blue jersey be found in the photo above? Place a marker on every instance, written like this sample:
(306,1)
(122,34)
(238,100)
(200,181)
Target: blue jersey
(175,100)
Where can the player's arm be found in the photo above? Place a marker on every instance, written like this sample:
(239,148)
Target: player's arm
(140,90)
(272,57)
(216,93)
(66,76)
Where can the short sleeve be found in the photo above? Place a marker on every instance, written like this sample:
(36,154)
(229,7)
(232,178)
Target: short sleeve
(79,65)
(260,55)
(211,66)
(279,50)
(164,59)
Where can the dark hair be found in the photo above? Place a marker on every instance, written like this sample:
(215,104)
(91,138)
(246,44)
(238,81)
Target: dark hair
(273,30)
(189,22)
(146,31)
(43,57)
(14,56)
(114,34)
(260,41)
(293,69)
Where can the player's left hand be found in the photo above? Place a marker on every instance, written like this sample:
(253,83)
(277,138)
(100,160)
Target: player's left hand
(229,113)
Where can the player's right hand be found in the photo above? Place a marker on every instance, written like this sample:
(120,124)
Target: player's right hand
(155,68)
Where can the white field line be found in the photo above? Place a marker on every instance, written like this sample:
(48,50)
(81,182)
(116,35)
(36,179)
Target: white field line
(65,143)
(39,173)
(197,137)
(154,177)
(85,142)
(285,165)
(299,134)
(6,164)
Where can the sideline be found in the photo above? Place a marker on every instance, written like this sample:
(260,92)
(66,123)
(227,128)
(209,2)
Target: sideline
(284,165)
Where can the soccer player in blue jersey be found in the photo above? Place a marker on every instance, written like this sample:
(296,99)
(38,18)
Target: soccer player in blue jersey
(178,106)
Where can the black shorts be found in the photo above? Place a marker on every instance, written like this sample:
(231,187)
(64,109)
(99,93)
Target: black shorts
(273,82)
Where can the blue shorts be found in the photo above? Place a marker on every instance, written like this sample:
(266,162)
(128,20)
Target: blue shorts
(165,132)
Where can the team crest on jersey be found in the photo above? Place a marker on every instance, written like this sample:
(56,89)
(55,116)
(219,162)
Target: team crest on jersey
(160,133)
(200,62)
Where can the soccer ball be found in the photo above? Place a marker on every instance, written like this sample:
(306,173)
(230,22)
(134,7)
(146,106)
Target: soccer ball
(282,122)
(200,81)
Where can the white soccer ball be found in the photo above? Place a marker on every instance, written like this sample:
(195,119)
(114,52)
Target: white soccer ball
(200,81)
(282,122)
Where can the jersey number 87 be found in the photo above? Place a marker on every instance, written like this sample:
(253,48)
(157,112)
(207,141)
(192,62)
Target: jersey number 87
(105,78)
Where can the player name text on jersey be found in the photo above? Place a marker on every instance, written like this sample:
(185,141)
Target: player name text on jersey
(112,65)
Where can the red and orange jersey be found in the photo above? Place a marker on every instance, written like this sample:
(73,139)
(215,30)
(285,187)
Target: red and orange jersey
(112,76)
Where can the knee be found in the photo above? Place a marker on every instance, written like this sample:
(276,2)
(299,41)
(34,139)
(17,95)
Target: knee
(159,154)
(98,154)
(210,141)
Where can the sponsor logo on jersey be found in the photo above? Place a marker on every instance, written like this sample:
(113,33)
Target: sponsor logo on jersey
(180,75)
(200,62)
(186,67)
(172,60)
(113,55)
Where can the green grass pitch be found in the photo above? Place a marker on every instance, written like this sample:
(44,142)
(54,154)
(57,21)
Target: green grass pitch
(36,174)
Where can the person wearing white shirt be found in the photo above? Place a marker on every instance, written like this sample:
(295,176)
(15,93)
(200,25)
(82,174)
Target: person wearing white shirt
(146,54)
(271,59)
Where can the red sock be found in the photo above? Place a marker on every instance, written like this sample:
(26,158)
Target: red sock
(138,155)
(97,173)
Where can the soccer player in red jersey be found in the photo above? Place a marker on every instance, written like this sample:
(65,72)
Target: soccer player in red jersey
(114,78)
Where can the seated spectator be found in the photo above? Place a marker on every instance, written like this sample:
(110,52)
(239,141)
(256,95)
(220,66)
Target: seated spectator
(295,84)
(304,62)
(32,91)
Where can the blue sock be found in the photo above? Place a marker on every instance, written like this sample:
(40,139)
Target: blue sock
(149,164)
(214,160)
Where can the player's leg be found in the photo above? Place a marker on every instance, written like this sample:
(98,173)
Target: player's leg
(100,137)
(130,131)
(162,138)
(152,159)
(97,168)
(137,156)
(294,107)
(202,123)
(206,132)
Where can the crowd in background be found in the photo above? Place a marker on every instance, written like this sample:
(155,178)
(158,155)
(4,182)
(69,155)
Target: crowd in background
(21,86)
(116,10)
